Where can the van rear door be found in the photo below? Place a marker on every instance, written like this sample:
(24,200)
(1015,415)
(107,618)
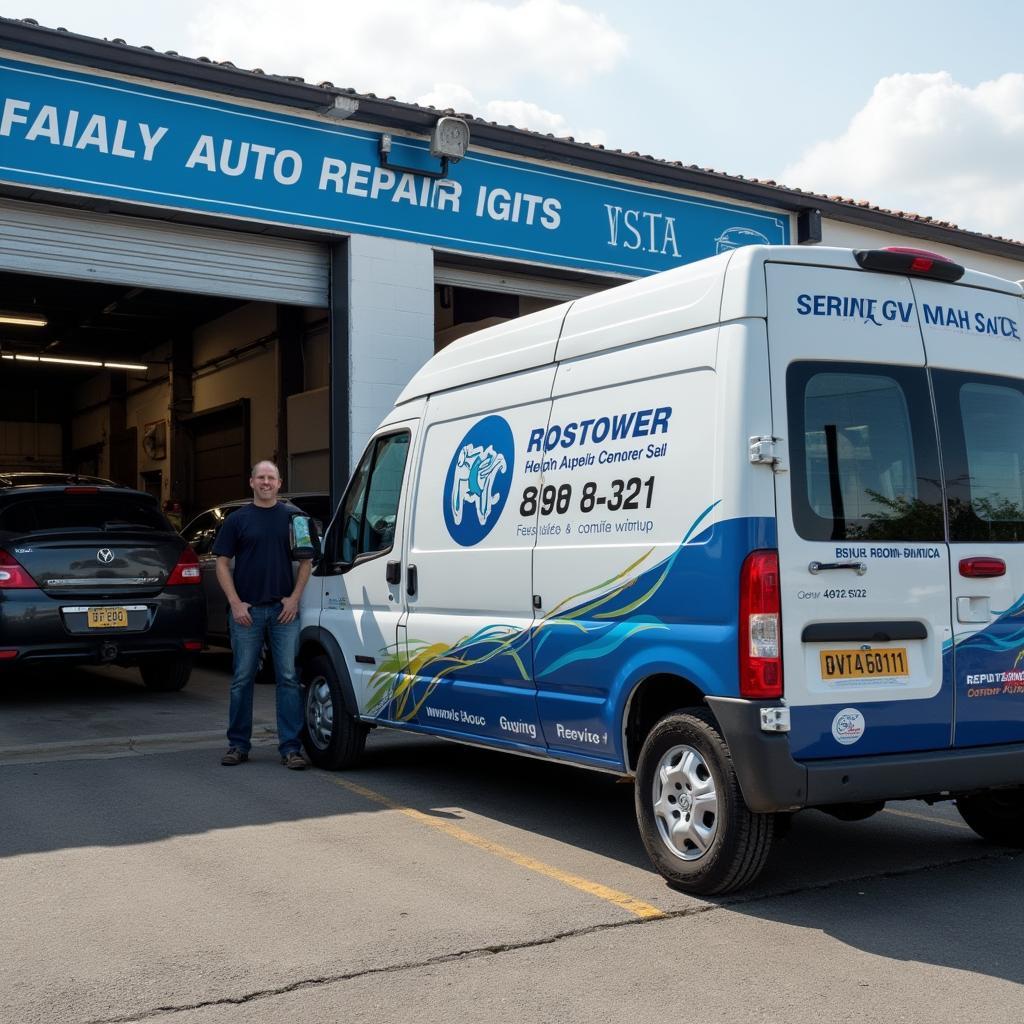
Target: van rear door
(864,567)
(973,340)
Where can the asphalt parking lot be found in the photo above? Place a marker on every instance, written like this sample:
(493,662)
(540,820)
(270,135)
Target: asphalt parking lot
(142,881)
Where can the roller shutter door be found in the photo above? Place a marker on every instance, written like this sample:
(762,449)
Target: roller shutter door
(81,244)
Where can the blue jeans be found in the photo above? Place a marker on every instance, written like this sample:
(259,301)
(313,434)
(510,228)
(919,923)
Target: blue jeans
(246,643)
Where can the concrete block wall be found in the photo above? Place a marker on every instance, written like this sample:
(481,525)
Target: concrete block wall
(391,325)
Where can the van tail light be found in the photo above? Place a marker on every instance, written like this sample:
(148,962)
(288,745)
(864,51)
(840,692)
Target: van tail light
(982,567)
(186,571)
(13,575)
(760,640)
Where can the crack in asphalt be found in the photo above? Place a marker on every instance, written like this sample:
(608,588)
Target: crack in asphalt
(548,940)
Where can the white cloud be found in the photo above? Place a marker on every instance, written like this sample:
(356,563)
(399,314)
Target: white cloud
(403,47)
(926,144)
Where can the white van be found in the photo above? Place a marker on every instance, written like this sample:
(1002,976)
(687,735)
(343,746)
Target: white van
(751,531)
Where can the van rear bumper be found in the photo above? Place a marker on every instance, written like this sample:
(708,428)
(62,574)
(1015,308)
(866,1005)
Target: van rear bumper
(772,781)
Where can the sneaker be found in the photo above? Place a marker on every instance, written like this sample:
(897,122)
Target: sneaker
(294,760)
(234,756)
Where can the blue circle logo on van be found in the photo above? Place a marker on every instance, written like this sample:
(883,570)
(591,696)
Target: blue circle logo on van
(479,476)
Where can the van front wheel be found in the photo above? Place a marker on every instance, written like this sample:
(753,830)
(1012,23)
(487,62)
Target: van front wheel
(694,823)
(332,737)
(997,816)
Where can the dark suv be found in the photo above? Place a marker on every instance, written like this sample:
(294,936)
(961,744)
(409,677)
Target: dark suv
(92,573)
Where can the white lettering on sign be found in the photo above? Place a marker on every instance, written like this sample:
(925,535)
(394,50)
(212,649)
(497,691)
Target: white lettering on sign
(249,158)
(368,182)
(518,207)
(68,128)
(642,230)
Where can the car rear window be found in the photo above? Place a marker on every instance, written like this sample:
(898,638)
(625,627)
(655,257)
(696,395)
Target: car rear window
(36,512)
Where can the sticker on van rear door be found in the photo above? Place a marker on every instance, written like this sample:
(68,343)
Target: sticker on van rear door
(478,481)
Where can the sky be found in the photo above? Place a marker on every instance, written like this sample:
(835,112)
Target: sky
(913,107)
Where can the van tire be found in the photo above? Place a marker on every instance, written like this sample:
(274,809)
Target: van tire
(997,815)
(333,738)
(727,846)
(166,674)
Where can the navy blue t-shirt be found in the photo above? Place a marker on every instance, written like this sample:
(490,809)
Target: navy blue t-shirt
(257,539)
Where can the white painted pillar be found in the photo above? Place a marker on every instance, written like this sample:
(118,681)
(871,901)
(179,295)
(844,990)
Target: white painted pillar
(391,325)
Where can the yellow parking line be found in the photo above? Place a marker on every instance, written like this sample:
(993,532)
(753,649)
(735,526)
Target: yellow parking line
(603,892)
(930,820)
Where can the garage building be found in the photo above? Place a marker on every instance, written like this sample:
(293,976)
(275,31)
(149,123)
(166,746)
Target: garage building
(201,266)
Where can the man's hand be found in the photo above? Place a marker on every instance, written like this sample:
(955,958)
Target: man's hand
(289,609)
(240,613)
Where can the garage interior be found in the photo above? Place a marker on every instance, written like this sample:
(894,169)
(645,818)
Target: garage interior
(165,391)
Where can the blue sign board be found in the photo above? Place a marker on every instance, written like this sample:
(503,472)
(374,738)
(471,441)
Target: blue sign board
(106,137)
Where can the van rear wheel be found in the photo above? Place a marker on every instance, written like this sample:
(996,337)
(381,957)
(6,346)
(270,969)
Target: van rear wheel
(332,737)
(694,823)
(997,815)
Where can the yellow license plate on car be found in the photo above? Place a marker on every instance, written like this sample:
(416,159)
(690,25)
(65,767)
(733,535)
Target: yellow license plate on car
(865,664)
(107,618)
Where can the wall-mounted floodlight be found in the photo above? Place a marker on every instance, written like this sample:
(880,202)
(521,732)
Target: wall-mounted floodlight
(448,142)
(340,108)
(450,138)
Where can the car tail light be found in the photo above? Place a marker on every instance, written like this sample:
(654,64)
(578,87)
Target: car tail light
(187,570)
(8,653)
(13,575)
(760,641)
(193,645)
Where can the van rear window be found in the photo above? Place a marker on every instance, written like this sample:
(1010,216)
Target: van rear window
(864,454)
(981,419)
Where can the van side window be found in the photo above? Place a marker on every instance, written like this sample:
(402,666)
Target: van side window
(366,523)
(981,419)
(864,453)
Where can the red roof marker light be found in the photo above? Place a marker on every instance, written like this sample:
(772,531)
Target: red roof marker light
(899,259)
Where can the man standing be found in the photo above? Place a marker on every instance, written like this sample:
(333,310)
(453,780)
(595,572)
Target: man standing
(264,597)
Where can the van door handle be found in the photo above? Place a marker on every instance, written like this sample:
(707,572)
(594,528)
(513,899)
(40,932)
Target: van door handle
(410,580)
(972,609)
(393,572)
(858,567)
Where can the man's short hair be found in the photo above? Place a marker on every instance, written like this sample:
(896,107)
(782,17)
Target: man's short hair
(264,462)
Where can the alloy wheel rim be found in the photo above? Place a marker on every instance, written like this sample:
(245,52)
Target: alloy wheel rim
(685,802)
(319,713)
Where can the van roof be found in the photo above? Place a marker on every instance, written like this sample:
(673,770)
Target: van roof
(715,290)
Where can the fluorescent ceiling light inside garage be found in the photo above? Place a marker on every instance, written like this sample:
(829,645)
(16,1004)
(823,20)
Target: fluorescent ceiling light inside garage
(102,364)
(21,319)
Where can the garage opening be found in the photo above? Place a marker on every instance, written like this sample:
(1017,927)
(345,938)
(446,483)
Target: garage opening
(161,355)
(167,391)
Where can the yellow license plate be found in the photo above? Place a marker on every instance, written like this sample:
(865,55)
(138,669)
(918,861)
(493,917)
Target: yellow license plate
(107,618)
(861,664)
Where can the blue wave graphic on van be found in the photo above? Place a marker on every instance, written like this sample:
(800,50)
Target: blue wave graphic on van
(999,636)
(613,610)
